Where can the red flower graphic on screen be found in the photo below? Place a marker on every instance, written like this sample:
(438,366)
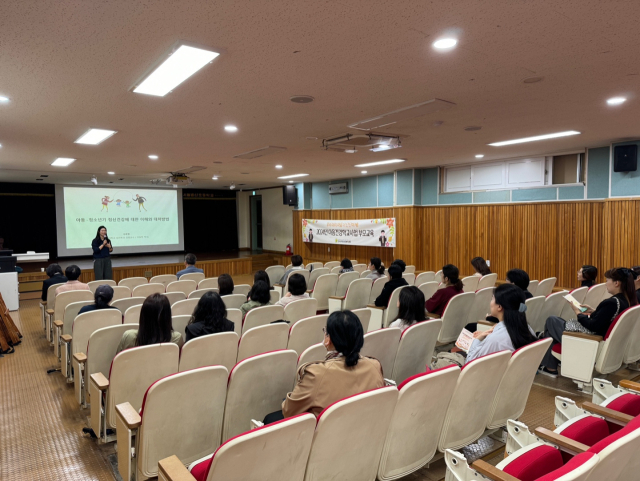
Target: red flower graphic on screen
(304,222)
(390,222)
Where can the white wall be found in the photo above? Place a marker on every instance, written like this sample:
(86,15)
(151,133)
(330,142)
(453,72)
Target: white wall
(277,220)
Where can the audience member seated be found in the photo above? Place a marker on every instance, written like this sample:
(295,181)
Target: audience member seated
(297,290)
(620,284)
(73,284)
(480,266)
(395,271)
(258,296)
(521,279)
(296,265)
(451,278)
(209,317)
(346,265)
(261,276)
(102,297)
(189,266)
(401,263)
(587,275)
(225,285)
(376,268)
(410,308)
(54,271)
(155,325)
(636,269)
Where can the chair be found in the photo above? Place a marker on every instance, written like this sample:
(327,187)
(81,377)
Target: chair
(360,420)
(306,332)
(438,277)
(343,283)
(147,290)
(300,309)
(383,316)
(275,273)
(546,286)
(410,269)
(314,353)
(164,279)
(365,273)
(193,276)
(315,265)
(579,295)
(187,287)
(428,289)
(198,395)
(175,297)
(553,305)
(48,305)
(356,297)
(455,316)
(261,316)
(409,277)
(331,264)
(412,438)
(274,296)
(383,346)
(123,304)
(198,293)
(62,301)
(415,349)
(185,307)
(324,287)
(487,281)
(70,313)
(314,274)
(208,283)
(133,282)
(235,316)
(533,287)
(132,372)
(242,289)
(625,398)
(365,318)
(360,268)
(132,315)
(256,387)
(470,283)
(234,301)
(219,349)
(632,353)
(284,289)
(289,266)
(93,285)
(534,311)
(121,292)
(595,295)
(480,307)
(261,339)
(376,288)
(428,276)
(179,324)
(336,269)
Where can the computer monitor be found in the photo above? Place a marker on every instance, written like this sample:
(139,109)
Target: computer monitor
(6,252)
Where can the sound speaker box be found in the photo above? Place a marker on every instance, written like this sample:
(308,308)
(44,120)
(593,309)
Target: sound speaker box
(625,158)
(289,195)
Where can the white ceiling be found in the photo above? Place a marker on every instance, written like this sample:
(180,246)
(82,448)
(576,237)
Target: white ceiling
(71,65)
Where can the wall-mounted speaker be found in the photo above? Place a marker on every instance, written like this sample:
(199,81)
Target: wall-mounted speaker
(625,158)
(289,195)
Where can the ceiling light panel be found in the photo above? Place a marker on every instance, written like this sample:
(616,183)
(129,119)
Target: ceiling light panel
(181,65)
(536,138)
(62,162)
(292,176)
(94,136)
(445,43)
(616,100)
(382,162)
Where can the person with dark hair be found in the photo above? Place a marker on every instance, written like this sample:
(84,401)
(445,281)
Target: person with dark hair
(189,266)
(296,265)
(225,285)
(401,263)
(102,297)
(297,290)
(72,273)
(620,284)
(260,276)
(636,269)
(395,272)
(410,308)
(54,271)
(346,265)
(376,268)
(521,279)
(209,317)
(480,266)
(102,249)
(155,325)
(258,296)
(451,278)
(587,275)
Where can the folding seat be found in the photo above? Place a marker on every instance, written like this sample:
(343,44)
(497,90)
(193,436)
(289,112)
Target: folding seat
(272,337)
(428,289)
(315,265)
(262,316)
(410,277)
(428,276)
(235,316)
(121,292)
(314,353)
(365,273)
(49,304)
(546,286)
(147,290)
(410,269)
(625,398)
(198,293)
(242,289)
(632,353)
(182,308)
(277,451)
(194,276)
(132,315)
(306,332)
(324,287)
(93,285)
(365,317)
(383,316)
(415,349)
(481,305)
(64,326)
(553,305)
(82,328)
(336,269)
(175,297)
(62,300)
(219,349)
(360,420)
(383,346)
(344,280)
(132,372)
(534,311)
(300,309)
(275,273)
(533,287)
(487,281)
(356,297)
(256,387)
(438,276)
(331,264)
(187,287)
(470,284)
(376,288)
(234,301)
(455,316)
(412,438)
(179,323)
(208,283)
(198,396)
(581,353)
(123,304)
(353,262)
(133,282)
(314,274)
(164,279)
(274,296)
(471,402)
(360,268)
(579,295)
(595,295)
(289,266)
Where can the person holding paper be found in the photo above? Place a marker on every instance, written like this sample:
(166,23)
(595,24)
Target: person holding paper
(102,249)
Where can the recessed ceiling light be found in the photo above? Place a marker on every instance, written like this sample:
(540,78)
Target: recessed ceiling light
(62,162)
(382,162)
(291,181)
(302,99)
(537,137)
(230,128)
(0,145)
(111,173)
(363,172)
(278,167)
(4,99)
(616,100)
(153,157)
(215,177)
(292,176)
(94,136)
(479,156)
(181,65)
(445,43)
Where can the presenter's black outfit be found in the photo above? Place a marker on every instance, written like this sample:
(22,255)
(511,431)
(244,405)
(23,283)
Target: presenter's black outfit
(101,261)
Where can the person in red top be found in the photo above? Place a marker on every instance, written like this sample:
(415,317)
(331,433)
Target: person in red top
(451,278)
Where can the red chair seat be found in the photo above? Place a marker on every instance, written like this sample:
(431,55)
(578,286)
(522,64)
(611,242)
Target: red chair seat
(201,470)
(557,348)
(628,404)
(535,463)
(589,430)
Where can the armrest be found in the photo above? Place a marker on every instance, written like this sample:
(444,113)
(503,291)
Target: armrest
(373,306)
(434,316)
(58,324)
(486,323)
(491,471)
(278,285)
(609,414)
(80,357)
(309,291)
(341,298)
(565,444)
(66,338)
(172,469)
(43,303)
(632,386)
(50,312)
(101,382)
(581,335)
(129,416)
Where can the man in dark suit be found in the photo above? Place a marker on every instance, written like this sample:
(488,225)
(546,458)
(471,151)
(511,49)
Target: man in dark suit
(54,271)
(382,239)
(310,235)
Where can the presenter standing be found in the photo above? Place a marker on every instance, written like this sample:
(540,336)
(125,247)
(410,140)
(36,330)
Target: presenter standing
(102,249)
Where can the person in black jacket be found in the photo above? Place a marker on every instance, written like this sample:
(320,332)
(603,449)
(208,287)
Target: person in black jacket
(209,317)
(592,321)
(54,271)
(587,275)
(102,296)
(395,271)
(521,279)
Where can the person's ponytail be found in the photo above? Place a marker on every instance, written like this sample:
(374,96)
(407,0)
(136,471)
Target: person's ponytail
(345,331)
(103,296)
(377,263)
(452,273)
(627,286)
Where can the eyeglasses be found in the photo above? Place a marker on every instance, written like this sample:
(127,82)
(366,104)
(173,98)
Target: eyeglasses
(324,331)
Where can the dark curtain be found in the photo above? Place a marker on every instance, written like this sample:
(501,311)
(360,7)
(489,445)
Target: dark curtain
(210,220)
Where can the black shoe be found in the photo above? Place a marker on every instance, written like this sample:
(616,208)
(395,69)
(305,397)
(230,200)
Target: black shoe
(545,372)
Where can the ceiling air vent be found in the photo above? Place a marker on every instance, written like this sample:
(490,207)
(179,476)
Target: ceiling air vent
(351,143)
(254,154)
(413,111)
